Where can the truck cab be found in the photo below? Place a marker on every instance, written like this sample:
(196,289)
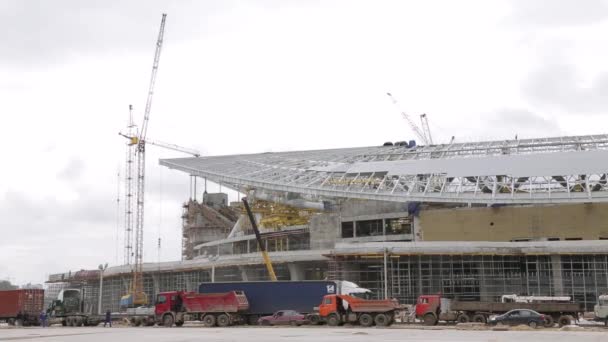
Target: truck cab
(600,309)
(167,302)
(428,304)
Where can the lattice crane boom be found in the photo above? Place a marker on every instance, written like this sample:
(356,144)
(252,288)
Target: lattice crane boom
(174,147)
(419,132)
(426,129)
(137,291)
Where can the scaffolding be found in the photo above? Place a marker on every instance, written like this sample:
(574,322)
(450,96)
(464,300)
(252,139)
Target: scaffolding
(476,277)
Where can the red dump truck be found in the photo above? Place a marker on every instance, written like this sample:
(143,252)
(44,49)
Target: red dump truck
(221,309)
(339,309)
(434,308)
(21,307)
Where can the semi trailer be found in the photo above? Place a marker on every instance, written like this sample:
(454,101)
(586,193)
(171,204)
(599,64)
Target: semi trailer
(434,308)
(267,297)
(21,307)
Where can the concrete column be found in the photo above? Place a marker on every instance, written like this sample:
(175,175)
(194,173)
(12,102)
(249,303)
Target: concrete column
(296,271)
(556,270)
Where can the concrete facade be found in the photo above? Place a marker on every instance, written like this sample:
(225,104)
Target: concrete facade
(516,223)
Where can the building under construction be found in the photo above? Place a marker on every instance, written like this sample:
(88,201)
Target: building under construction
(472,220)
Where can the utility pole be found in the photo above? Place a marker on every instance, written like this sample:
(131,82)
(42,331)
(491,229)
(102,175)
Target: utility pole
(102,269)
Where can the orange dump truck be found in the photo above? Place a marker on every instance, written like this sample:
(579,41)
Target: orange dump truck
(339,309)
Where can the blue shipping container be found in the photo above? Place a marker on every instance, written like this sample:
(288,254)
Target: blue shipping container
(267,297)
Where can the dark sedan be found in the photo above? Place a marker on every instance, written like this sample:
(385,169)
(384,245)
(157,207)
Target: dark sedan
(284,317)
(520,316)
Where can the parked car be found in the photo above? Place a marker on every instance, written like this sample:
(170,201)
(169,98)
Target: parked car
(284,317)
(519,316)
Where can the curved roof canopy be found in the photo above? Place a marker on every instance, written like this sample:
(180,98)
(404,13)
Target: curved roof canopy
(547,170)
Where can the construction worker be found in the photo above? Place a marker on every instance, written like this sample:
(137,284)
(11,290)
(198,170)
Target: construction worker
(43,319)
(108,319)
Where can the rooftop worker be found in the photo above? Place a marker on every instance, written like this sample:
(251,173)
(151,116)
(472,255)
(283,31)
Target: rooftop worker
(108,319)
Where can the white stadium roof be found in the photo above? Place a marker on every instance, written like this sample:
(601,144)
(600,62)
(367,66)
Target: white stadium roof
(547,170)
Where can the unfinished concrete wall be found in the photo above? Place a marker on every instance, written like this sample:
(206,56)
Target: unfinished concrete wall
(568,221)
(353,207)
(324,230)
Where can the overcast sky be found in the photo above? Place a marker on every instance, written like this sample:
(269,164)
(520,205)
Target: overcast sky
(258,76)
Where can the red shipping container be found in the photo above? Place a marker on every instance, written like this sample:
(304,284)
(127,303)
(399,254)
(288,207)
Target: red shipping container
(28,302)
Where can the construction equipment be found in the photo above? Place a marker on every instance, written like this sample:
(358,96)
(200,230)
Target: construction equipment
(130,149)
(136,293)
(254,225)
(433,308)
(221,309)
(338,309)
(423,133)
(425,128)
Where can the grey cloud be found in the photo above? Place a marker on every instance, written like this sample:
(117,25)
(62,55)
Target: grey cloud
(559,87)
(73,170)
(508,122)
(37,32)
(557,13)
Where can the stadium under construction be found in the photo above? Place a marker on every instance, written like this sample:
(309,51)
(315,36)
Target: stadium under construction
(473,221)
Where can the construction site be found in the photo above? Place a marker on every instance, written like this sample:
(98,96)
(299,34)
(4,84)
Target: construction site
(472,221)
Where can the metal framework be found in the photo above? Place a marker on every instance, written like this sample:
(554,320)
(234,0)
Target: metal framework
(548,170)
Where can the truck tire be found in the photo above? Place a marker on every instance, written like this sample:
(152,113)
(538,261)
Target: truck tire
(563,320)
(11,321)
(168,320)
(223,320)
(64,323)
(463,318)
(548,323)
(79,322)
(479,318)
(314,320)
(366,320)
(209,321)
(381,320)
(253,319)
(333,320)
(430,319)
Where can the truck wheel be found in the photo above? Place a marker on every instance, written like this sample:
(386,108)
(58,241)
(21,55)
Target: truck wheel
(333,320)
(532,324)
(252,319)
(463,318)
(64,323)
(479,318)
(11,321)
(381,320)
(167,321)
(223,320)
(366,320)
(548,323)
(430,319)
(209,321)
(79,322)
(563,320)
(314,320)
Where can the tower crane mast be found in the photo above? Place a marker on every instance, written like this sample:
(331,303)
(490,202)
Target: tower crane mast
(137,294)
